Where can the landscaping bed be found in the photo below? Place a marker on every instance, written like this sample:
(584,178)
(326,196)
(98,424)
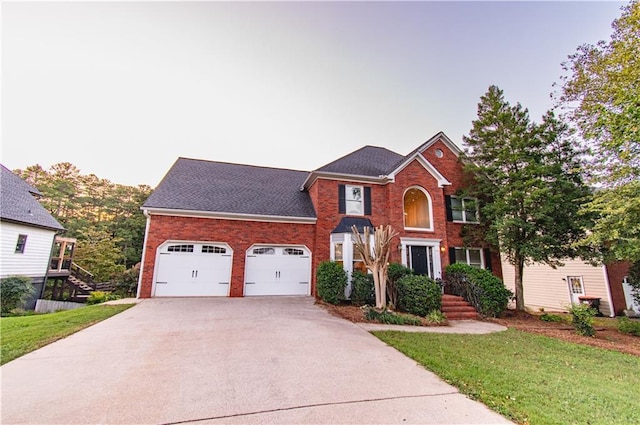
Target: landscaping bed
(607,335)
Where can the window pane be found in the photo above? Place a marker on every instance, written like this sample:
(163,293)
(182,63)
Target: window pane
(456,209)
(475,258)
(338,252)
(416,209)
(461,256)
(354,207)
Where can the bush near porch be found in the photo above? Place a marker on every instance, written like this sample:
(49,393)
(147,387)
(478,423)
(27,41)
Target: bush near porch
(478,287)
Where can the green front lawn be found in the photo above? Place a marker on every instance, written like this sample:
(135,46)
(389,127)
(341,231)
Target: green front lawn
(531,378)
(23,334)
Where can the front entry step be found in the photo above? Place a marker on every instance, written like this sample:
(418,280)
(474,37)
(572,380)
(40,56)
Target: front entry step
(456,308)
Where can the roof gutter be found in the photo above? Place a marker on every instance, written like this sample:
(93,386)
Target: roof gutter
(315,175)
(228,216)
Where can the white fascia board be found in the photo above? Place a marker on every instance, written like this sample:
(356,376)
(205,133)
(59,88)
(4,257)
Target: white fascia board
(442,181)
(445,139)
(315,175)
(229,216)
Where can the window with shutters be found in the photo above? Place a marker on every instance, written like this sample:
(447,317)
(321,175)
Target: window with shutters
(471,256)
(464,210)
(354,200)
(417,209)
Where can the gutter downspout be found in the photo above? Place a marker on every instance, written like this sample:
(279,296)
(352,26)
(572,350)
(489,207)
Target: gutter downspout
(144,251)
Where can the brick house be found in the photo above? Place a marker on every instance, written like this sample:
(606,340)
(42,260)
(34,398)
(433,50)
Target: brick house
(220,229)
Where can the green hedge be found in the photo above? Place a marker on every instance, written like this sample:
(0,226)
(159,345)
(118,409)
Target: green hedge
(479,287)
(418,295)
(331,281)
(363,291)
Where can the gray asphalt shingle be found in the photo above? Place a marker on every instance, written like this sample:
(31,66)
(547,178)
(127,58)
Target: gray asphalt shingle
(369,161)
(17,203)
(199,185)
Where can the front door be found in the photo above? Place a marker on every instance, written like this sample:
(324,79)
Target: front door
(576,288)
(421,260)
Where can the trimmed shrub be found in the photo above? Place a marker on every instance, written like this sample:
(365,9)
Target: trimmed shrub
(331,282)
(582,319)
(418,295)
(479,287)
(96,297)
(395,272)
(628,326)
(390,318)
(362,289)
(14,291)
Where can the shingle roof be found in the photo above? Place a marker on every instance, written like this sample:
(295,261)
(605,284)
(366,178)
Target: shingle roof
(369,161)
(18,204)
(199,185)
(345,224)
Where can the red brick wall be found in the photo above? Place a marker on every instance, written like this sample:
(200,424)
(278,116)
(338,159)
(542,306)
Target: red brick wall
(616,272)
(240,235)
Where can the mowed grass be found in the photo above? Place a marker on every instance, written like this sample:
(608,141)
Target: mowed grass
(23,334)
(531,378)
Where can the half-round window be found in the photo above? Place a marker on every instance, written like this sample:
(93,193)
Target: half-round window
(417,209)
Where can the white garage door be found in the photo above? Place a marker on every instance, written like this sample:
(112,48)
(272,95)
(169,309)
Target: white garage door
(277,270)
(193,270)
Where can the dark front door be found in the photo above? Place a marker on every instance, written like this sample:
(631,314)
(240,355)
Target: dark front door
(421,260)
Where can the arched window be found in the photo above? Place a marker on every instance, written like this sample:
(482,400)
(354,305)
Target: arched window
(417,209)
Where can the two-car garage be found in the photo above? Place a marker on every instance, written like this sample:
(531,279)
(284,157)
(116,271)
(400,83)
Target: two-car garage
(204,269)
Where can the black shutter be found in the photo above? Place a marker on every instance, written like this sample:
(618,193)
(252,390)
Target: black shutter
(342,204)
(487,259)
(367,201)
(452,255)
(447,202)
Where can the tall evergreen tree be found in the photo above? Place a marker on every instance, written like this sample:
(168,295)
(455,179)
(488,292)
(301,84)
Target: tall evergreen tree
(529,183)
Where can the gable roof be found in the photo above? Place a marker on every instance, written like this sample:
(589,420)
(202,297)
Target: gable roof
(370,161)
(232,189)
(18,204)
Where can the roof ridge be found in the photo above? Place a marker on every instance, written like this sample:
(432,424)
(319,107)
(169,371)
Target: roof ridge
(267,167)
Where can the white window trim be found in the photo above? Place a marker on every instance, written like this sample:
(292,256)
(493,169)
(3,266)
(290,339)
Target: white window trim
(348,188)
(464,211)
(435,243)
(347,241)
(419,229)
(466,253)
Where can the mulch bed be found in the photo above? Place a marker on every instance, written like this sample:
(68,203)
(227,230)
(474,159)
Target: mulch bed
(607,338)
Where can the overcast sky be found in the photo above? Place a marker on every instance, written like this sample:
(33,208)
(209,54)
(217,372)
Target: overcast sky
(121,90)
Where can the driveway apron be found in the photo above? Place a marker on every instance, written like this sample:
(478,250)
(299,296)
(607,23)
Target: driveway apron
(227,360)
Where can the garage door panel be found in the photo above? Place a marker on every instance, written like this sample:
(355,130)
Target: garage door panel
(277,271)
(195,272)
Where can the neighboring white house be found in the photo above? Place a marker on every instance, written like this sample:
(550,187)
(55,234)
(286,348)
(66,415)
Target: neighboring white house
(27,232)
(556,289)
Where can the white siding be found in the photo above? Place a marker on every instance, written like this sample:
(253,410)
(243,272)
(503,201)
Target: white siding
(34,262)
(545,287)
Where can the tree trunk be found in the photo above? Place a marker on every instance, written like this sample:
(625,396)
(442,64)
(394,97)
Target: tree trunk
(519,269)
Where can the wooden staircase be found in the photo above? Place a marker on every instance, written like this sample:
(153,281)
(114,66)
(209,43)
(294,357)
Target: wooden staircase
(456,308)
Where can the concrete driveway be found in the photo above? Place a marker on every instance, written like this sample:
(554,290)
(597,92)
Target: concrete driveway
(229,360)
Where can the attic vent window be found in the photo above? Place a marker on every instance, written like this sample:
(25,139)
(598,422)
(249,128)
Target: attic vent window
(180,248)
(439,153)
(211,249)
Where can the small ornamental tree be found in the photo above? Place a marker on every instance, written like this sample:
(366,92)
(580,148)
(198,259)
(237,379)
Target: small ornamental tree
(376,258)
